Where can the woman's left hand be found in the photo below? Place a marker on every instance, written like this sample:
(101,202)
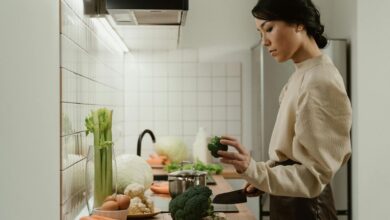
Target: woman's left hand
(240,160)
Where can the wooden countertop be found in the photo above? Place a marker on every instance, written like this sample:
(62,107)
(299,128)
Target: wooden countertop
(221,187)
(229,172)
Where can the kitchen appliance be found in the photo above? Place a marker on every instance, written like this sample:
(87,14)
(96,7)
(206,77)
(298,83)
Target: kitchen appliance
(233,197)
(268,78)
(140,12)
(181,180)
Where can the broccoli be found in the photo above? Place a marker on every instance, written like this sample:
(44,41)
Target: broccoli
(214,146)
(193,204)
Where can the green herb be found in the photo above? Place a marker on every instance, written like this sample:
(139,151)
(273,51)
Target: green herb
(215,145)
(199,165)
(99,123)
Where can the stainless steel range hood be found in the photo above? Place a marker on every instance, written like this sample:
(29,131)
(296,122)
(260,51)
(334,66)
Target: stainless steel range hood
(140,12)
(142,24)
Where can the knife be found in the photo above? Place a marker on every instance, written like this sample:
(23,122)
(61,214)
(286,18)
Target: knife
(233,197)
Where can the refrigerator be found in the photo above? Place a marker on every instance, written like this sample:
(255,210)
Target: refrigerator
(268,79)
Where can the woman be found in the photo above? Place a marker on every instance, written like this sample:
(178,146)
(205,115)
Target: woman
(311,137)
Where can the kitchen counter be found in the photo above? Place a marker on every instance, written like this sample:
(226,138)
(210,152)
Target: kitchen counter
(229,172)
(222,186)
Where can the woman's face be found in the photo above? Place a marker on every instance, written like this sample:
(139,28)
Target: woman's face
(281,39)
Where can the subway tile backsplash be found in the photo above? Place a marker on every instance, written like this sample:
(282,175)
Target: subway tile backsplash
(173,94)
(91,77)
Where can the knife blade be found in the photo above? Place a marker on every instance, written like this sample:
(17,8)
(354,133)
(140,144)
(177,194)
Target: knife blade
(233,197)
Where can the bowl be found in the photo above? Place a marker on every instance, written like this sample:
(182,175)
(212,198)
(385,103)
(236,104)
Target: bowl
(116,214)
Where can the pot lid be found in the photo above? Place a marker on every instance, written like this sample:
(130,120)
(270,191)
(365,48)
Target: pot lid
(187,173)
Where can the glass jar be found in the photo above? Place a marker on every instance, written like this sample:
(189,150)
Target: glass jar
(100,175)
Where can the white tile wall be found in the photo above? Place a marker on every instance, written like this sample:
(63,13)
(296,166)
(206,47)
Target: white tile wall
(91,77)
(177,95)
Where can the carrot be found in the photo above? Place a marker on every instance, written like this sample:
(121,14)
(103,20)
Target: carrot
(154,161)
(160,188)
(87,218)
(95,217)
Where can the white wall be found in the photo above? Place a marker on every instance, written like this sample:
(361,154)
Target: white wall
(171,93)
(224,31)
(325,7)
(218,23)
(30,110)
(372,146)
(91,71)
(243,56)
(365,24)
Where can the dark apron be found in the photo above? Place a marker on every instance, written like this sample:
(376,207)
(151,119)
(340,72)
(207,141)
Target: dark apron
(297,208)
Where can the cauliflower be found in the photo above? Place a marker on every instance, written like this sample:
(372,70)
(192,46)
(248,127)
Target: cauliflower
(135,190)
(149,203)
(138,206)
(139,203)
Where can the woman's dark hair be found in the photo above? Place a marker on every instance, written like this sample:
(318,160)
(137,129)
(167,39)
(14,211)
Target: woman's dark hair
(301,12)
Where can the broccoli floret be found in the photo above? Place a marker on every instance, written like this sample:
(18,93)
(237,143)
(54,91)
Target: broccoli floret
(214,146)
(193,204)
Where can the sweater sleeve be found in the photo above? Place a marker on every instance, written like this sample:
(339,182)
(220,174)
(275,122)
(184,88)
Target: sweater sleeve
(321,143)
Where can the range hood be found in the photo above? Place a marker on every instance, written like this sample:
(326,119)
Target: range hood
(142,24)
(140,12)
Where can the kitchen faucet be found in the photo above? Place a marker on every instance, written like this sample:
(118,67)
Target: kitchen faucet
(140,140)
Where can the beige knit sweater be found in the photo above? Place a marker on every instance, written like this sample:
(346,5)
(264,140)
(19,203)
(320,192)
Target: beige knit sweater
(312,127)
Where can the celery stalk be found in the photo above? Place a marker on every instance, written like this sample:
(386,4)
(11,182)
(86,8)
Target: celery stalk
(99,123)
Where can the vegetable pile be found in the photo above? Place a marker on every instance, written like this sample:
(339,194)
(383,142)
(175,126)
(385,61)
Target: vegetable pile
(155,159)
(99,123)
(214,146)
(193,204)
(116,202)
(199,165)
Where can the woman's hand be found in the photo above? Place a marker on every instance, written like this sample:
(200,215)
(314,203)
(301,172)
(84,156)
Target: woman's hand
(240,160)
(252,191)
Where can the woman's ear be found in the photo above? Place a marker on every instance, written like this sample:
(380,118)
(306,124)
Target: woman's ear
(299,28)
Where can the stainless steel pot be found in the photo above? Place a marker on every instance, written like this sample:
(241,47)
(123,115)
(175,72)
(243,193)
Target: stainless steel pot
(180,181)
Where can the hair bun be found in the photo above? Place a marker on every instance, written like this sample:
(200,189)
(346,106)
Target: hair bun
(321,41)
(321,28)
